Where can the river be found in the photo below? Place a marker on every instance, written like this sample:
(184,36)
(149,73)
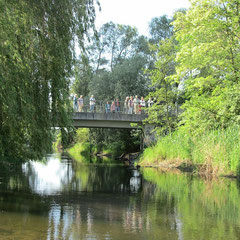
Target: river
(63,199)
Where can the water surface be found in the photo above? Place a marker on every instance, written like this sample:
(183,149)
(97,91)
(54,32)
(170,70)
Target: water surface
(63,199)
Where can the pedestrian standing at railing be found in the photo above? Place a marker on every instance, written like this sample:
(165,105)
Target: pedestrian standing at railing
(113,107)
(80,103)
(130,105)
(75,103)
(142,105)
(107,107)
(117,104)
(126,105)
(92,103)
(136,103)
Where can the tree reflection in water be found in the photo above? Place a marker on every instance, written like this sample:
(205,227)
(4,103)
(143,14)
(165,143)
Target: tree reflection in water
(61,199)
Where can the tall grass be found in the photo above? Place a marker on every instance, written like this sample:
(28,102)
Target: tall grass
(215,152)
(172,147)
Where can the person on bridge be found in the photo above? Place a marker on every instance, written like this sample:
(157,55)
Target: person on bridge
(142,105)
(75,103)
(92,103)
(126,105)
(130,105)
(113,107)
(136,102)
(80,103)
(107,107)
(117,103)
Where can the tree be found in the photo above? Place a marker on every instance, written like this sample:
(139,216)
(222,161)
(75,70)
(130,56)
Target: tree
(160,28)
(118,56)
(129,78)
(36,58)
(208,58)
(165,94)
(113,43)
(83,74)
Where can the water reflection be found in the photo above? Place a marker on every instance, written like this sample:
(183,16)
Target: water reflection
(135,181)
(56,177)
(48,178)
(61,199)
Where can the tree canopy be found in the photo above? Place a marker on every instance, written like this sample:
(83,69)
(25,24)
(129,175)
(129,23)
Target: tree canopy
(201,64)
(208,63)
(36,57)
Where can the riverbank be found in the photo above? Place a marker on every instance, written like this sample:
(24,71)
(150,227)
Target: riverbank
(214,153)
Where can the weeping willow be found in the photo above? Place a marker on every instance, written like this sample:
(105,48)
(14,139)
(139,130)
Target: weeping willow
(37,42)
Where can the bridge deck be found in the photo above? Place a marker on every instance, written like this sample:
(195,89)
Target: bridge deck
(107,120)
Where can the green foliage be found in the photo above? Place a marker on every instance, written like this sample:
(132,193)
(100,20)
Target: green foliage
(160,29)
(83,75)
(80,152)
(102,86)
(57,141)
(163,112)
(113,43)
(172,147)
(82,135)
(203,66)
(208,57)
(216,151)
(36,57)
(115,141)
(117,56)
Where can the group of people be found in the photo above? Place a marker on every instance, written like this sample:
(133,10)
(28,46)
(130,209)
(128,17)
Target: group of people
(136,105)
(131,105)
(78,103)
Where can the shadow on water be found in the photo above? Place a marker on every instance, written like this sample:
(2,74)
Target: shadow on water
(65,199)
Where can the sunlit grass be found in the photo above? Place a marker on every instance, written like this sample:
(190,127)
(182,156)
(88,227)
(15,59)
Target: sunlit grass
(216,152)
(79,151)
(173,147)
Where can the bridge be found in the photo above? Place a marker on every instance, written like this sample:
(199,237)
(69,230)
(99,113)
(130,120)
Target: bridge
(114,120)
(99,117)
(107,120)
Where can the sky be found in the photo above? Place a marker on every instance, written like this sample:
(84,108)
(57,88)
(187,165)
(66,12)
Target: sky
(136,13)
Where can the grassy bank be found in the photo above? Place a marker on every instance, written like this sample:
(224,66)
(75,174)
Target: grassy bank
(216,152)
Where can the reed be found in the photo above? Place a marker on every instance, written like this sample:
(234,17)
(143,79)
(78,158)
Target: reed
(172,147)
(216,152)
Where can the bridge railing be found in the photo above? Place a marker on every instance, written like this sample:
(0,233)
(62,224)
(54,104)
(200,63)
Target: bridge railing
(102,107)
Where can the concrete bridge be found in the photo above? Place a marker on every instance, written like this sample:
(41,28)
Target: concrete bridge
(108,120)
(115,120)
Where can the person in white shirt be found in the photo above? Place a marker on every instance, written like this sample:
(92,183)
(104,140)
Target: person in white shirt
(92,103)
(142,105)
(136,102)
